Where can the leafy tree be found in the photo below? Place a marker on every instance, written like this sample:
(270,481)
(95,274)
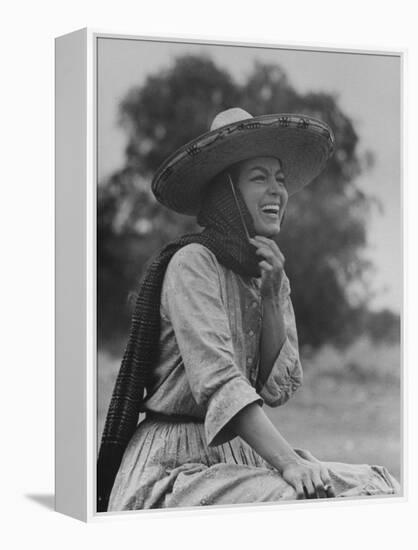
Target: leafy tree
(323,238)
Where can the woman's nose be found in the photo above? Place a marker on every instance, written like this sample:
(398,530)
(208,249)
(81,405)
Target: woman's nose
(274,185)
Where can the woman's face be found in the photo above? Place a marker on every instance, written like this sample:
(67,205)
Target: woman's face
(261,182)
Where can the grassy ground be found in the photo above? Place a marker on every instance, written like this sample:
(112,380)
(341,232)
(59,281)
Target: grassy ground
(348,409)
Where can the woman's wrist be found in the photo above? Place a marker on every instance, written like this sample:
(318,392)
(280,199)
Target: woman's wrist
(285,458)
(253,426)
(272,292)
(272,301)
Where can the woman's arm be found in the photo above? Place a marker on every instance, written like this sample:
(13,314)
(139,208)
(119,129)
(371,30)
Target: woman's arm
(273,336)
(309,479)
(273,331)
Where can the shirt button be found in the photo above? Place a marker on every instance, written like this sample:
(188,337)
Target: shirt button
(250,333)
(249,361)
(254,304)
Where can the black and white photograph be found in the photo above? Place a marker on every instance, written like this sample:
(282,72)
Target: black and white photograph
(209,275)
(249,274)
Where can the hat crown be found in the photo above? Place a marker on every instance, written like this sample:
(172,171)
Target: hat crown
(229,116)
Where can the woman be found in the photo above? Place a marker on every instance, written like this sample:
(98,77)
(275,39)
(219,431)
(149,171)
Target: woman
(213,334)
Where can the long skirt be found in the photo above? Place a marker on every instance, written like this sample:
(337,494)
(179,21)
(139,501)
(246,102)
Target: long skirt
(169,464)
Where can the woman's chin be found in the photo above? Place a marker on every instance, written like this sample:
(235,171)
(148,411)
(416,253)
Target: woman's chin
(269,230)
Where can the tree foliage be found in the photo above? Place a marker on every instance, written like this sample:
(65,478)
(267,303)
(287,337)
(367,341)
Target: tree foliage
(324,235)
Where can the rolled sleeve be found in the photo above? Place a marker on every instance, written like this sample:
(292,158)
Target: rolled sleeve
(194,304)
(286,375)
(224,404)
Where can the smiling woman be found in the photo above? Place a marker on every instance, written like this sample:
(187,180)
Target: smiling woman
(262,184)
(213,335)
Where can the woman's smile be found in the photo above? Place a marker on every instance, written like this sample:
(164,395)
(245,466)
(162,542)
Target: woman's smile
(271,210)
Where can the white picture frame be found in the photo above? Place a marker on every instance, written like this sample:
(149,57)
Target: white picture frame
(76,242)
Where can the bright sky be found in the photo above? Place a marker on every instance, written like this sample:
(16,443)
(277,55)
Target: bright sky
(368,87)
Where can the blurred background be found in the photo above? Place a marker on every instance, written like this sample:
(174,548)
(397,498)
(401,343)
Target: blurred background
(341,238)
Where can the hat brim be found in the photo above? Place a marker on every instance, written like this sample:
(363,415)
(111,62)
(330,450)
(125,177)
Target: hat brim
(303,145)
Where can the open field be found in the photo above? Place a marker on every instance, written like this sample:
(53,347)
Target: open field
(348,409)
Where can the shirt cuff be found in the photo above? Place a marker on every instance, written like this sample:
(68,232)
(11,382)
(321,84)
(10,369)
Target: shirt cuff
(285,377)
(228,401)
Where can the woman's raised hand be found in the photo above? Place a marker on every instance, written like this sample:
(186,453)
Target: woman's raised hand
(309,478)
(271,264)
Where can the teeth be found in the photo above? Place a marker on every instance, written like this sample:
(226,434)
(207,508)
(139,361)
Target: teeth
(271,208)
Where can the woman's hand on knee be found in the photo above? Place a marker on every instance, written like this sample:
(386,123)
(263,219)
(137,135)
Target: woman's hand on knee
(309,479)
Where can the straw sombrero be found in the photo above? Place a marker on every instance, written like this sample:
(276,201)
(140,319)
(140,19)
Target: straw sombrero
(303,145)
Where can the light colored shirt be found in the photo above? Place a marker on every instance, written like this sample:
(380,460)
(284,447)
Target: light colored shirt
(211,321)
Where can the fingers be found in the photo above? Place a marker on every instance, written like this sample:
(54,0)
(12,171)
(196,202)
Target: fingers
(269,243)
(275,257)
(303,485)
(267,254)
(310,481)
(265,266)
(304,488)
(321,480)
(300,493)
(319,485)
(309,488)
(326,480)
(293,477)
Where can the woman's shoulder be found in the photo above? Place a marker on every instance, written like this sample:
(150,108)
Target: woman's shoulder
(192,265)
(193,256)
(193,268)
